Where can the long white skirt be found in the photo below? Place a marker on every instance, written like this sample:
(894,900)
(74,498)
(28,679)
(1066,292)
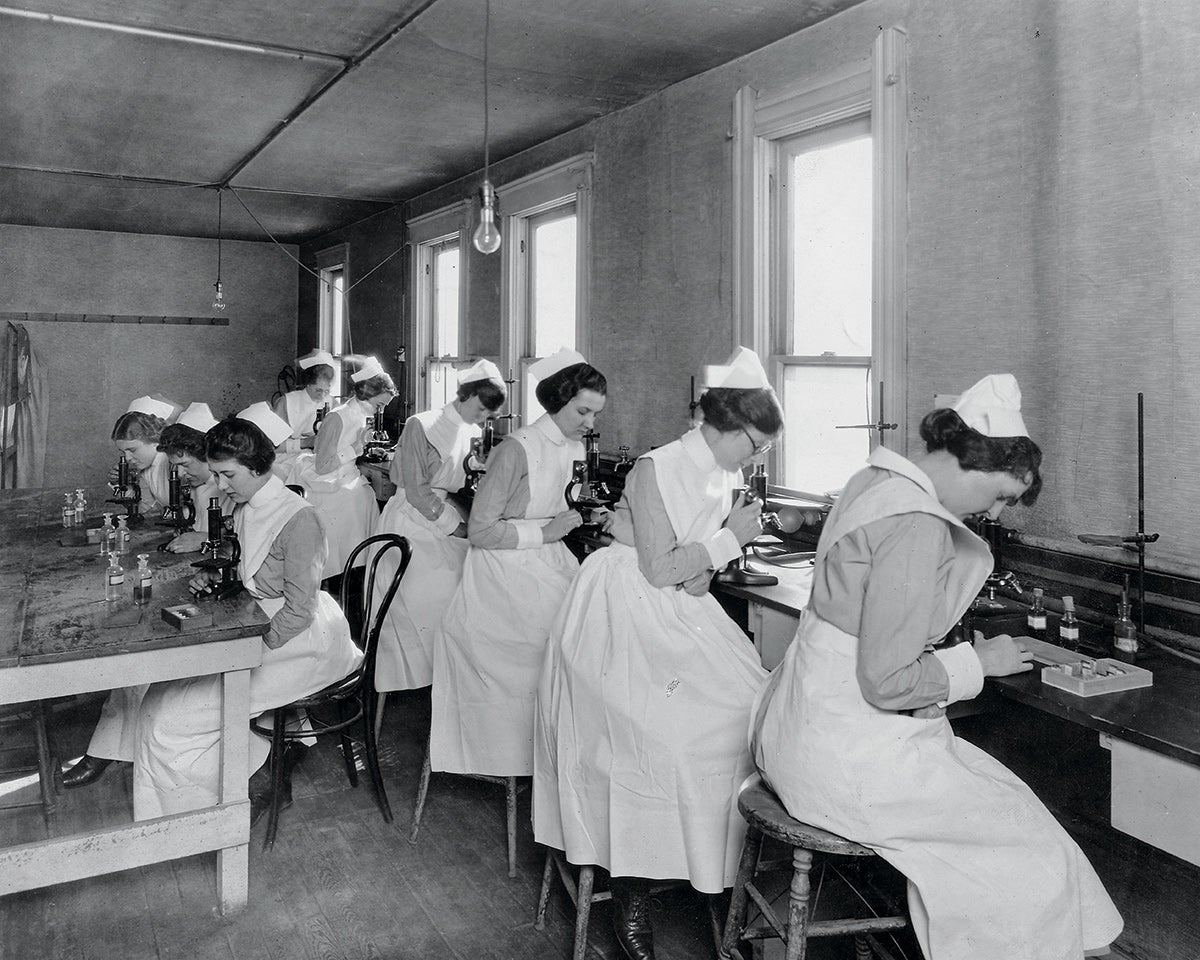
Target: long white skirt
(346,505)
(177,762)
(488,657)
(115,736)
(643,708)
(404,660)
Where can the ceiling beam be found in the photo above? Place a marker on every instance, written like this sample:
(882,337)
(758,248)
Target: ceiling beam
(180,36)
(350,65)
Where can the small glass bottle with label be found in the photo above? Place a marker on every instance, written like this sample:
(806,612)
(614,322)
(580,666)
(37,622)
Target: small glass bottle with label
(107,533)
(122,537)
(80,508)
(143,583)
(68,511)
(1068,627)
(1125,633)
(1035,620)
(114,579)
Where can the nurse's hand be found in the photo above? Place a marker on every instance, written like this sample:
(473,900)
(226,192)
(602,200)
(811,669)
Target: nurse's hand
(745,520)
(186,542)
(460,531)
(696,586)
(1002,656)
(604,517)
(202,582)
(561,525)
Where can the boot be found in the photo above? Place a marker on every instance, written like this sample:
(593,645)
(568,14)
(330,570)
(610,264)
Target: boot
(88,770)
(631,917)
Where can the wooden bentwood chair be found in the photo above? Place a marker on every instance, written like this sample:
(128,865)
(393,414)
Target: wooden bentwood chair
(353,697)
(766,817)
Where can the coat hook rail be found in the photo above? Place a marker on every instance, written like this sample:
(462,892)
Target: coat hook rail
(113,318)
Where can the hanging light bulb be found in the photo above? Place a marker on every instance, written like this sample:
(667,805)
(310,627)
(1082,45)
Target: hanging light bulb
(486,238)
(219,300)
(487,235)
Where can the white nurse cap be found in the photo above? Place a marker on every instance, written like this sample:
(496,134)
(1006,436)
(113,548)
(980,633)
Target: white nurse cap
(548,366)
(197,416)
(314,357)
(743,371)
(155,408)
(993,407)
(262,416)
(480,370)
(369,369)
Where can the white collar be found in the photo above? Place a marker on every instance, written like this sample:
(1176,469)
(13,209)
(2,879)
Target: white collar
(547,426)
(451,411)
(267,492)
(698,449)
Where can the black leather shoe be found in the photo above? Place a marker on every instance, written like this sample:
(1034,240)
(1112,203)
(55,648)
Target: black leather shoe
(89,769)
(631,917)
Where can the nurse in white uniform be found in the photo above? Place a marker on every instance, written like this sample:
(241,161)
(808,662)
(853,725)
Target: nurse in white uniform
(183,443)
(647,688)
(851,731)
(307,645)
(135,434)
(488,654)
(343,497)
(427,469)
(299,407)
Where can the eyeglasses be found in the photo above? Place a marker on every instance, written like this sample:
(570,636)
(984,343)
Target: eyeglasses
(757,448)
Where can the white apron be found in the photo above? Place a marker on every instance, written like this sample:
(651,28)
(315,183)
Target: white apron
(301,410)
(991,874)
(488,653)
(344,499)
(404,660)
(177,766)
(155,481)
(643,706)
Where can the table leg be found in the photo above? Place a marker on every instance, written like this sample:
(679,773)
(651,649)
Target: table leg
(233,863)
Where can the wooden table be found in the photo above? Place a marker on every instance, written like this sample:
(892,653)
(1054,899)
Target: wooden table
(58,636)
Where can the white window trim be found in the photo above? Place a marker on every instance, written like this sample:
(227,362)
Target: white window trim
(571,179)
(879,88)
(337,255)
(453,220)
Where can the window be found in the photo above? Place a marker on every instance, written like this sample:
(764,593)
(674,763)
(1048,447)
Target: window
(334,321)
(439,303)
(818,273)
(545,219)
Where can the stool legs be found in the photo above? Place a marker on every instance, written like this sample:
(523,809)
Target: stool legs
(422,791)
(539,919)
(580,893)
(798,896)
(735,921)
(46,766)
(510,818)
(583,909)
(276,761)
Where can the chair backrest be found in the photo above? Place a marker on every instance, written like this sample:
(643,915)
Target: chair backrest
(371,621)
(297,489)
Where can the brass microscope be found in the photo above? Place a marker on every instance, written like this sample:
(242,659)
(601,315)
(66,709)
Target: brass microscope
(585,492)
(180,513)
(222,553)
(127,492)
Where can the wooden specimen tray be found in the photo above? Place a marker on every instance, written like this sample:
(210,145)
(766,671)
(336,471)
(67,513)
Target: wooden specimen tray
(1069,670)
(187,616)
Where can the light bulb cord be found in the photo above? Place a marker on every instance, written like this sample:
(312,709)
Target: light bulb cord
(487,29)
(220,201)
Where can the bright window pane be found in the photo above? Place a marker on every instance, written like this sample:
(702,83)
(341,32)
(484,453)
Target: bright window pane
(443,383)
(445,301)
(817,457)
(552,282)
(831,248)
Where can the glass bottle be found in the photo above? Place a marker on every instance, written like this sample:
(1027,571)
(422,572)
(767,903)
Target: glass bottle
(122,537)
(114,579)
(1035,620)
(68,511)
(80,507)
(1125,635)
(107,532)
(1068,627)
(143,584)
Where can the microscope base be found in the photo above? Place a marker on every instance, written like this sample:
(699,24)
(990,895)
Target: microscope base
(746,576)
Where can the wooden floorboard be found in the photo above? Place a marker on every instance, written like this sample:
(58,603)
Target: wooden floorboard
(340,883)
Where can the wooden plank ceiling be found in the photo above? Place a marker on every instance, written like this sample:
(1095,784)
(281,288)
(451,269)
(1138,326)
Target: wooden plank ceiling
(128,114)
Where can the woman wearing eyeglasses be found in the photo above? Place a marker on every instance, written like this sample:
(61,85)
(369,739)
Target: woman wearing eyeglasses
(645,695)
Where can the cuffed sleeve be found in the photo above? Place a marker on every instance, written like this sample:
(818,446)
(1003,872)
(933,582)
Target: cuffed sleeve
(419,463)
(293,570)
(327,453)
(964,672)
(449,520)
(503,493)
(529,533)
(661,558)
(722,547)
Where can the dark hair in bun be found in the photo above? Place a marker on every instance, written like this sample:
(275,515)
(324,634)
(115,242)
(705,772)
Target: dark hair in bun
(556,391)
(491,393)
(138,426)
(240,440)
(1019,457)
(181,440)
(726,409)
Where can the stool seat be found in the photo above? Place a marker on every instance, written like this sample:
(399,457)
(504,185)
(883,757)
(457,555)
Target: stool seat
(762,809)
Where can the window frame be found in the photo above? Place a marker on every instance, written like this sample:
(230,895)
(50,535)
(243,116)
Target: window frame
(520,202)
(326,261)
(426,234)
(876,88)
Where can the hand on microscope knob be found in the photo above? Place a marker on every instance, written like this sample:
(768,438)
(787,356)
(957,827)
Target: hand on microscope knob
(745,519)
(186,542)
(561,525)
(604,517)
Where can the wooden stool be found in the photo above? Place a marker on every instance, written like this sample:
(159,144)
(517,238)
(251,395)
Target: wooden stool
(581,895)
(46,766)
(510,806)
(767,817)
